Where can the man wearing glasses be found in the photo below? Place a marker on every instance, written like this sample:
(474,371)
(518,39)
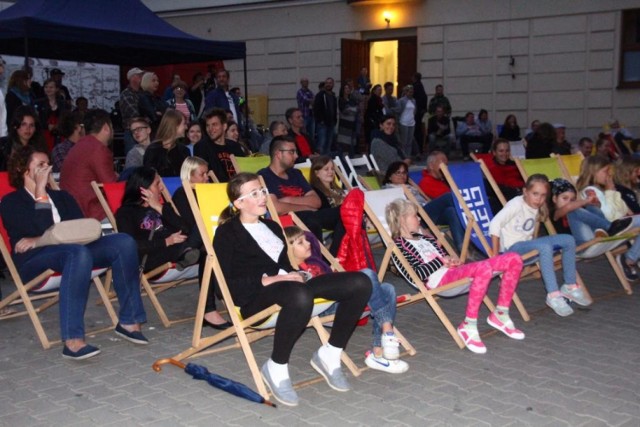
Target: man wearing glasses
(141,131)
(290,192)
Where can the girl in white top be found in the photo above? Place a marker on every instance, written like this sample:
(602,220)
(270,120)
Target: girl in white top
(512,229)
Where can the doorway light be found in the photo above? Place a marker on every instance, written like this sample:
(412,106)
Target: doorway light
(386,15)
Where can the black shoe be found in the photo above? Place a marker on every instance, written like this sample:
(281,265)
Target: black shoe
(620,226)
(189,257)
(135,337)
(629,270)
(220,327)
(84,353)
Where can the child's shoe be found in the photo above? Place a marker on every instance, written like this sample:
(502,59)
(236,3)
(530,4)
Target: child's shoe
(507,327)
(576,294)
(385,365)
(471,338)
(390,346)
(629,270)
(559,305)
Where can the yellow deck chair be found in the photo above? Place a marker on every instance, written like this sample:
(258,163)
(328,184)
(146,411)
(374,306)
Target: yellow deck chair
(570,165)
(213,199)
(249,164)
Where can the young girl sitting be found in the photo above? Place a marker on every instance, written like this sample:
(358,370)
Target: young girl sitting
(596,184)
(581,218)
(385,355)
(435,268)
(512,229)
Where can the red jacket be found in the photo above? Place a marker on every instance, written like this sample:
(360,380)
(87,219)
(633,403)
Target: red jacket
(433,187)
(507,175)
(354,253)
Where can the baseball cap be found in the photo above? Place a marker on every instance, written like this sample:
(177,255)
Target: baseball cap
(56,71)
(132,72)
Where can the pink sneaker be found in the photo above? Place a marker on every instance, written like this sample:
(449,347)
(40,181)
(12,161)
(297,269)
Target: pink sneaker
(471,338)
(507,328)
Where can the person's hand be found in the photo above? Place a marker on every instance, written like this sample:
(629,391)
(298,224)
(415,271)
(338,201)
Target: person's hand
(42,177)
(609,184)
(175,238)
(592,197)
(25,244)
(150,199)
(294,276)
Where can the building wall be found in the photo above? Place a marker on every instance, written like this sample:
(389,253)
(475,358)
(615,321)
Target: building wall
(565,51)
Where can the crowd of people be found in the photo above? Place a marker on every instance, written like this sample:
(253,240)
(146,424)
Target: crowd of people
(190,131)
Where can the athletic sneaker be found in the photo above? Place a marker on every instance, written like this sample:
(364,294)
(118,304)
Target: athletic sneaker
(620,226)
(507,328)
(629,270)
(576,294)
(560,306)
(471,338)
(390,346)
(382,364)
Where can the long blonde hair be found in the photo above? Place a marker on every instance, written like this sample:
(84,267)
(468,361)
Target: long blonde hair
(168,127)
(543,212)
(396,210)
(624,169)
(590,166)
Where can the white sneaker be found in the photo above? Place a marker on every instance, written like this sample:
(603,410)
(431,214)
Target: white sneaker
(560,306)
(382,364)
(390,346)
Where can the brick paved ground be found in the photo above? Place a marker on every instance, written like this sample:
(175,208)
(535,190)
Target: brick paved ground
(576,371)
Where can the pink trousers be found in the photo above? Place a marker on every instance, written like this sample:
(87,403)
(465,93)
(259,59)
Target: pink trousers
(481,272)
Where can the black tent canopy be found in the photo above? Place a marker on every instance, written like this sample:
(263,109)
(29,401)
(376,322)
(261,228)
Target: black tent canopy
(104,31)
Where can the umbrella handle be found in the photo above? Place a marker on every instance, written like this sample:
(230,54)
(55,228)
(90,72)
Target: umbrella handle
(157,366)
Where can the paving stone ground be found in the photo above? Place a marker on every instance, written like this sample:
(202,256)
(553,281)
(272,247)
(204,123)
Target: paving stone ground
(575,371)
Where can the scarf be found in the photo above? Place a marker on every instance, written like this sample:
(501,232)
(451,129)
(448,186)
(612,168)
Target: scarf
(390,140)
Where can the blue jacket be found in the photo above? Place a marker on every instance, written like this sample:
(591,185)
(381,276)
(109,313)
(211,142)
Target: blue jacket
(217,98)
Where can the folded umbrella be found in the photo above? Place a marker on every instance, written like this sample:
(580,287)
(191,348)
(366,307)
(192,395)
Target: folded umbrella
(199,372)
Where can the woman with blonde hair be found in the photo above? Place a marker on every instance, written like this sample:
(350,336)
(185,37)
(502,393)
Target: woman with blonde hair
(323,181)
(626,178)
(165,154)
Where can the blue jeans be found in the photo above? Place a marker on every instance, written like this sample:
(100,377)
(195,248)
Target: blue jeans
(633,254)
(324,139)
(442,211)
(75,263)
(584,221)
(382,303)
(545,247)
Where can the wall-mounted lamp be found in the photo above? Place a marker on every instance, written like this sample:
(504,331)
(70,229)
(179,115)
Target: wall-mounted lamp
(387,18)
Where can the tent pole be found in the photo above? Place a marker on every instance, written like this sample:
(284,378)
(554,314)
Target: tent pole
(26,52)
(246,97)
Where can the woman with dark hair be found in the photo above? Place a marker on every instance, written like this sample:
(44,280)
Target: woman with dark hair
(161,234)
(24,129)
(165,154)
(252,252)
(323,182)
(541,144)
(33,208)
(348,111)
(18,93)
(49,109)
(385,147)
(505,171)
(374,113)
(510,129)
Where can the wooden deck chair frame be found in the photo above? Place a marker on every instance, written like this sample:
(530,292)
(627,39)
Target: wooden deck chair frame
(583,248)
(242,329)
(567,164)
(430,296)
(151,289)
(34,304)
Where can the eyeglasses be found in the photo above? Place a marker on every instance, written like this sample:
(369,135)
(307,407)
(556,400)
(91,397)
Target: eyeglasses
(256,194)
(290,151)
(400,172)
(136,130)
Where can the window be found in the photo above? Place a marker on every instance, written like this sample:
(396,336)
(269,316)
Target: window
(630,50)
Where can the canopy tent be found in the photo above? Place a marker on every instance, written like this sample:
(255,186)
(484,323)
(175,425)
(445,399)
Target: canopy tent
(105,31)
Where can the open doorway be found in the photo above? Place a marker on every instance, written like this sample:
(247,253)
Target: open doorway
(383,62)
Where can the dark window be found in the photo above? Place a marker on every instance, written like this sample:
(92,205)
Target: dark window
(630,49)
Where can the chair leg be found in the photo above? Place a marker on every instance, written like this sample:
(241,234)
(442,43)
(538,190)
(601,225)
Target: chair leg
(616,268)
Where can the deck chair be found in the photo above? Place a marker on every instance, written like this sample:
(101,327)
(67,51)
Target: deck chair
(161,278)
(570,165)
(352,163)
(341,172)
(368,182)
(376,202)
(607,246)
(213,198)
(517,149)
(41,293)
(249,164)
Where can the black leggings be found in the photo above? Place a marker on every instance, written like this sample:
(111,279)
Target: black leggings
(351,290)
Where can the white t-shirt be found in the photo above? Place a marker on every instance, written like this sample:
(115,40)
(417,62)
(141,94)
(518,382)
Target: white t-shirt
(408,116)
(514,223)
(268,242)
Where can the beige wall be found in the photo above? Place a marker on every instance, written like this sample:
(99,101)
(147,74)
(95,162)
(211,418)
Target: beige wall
(566,52)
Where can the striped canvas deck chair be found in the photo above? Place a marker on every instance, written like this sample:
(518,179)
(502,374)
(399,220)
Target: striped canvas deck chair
(161,278)
(207,203)
(376,202)
(34,297)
